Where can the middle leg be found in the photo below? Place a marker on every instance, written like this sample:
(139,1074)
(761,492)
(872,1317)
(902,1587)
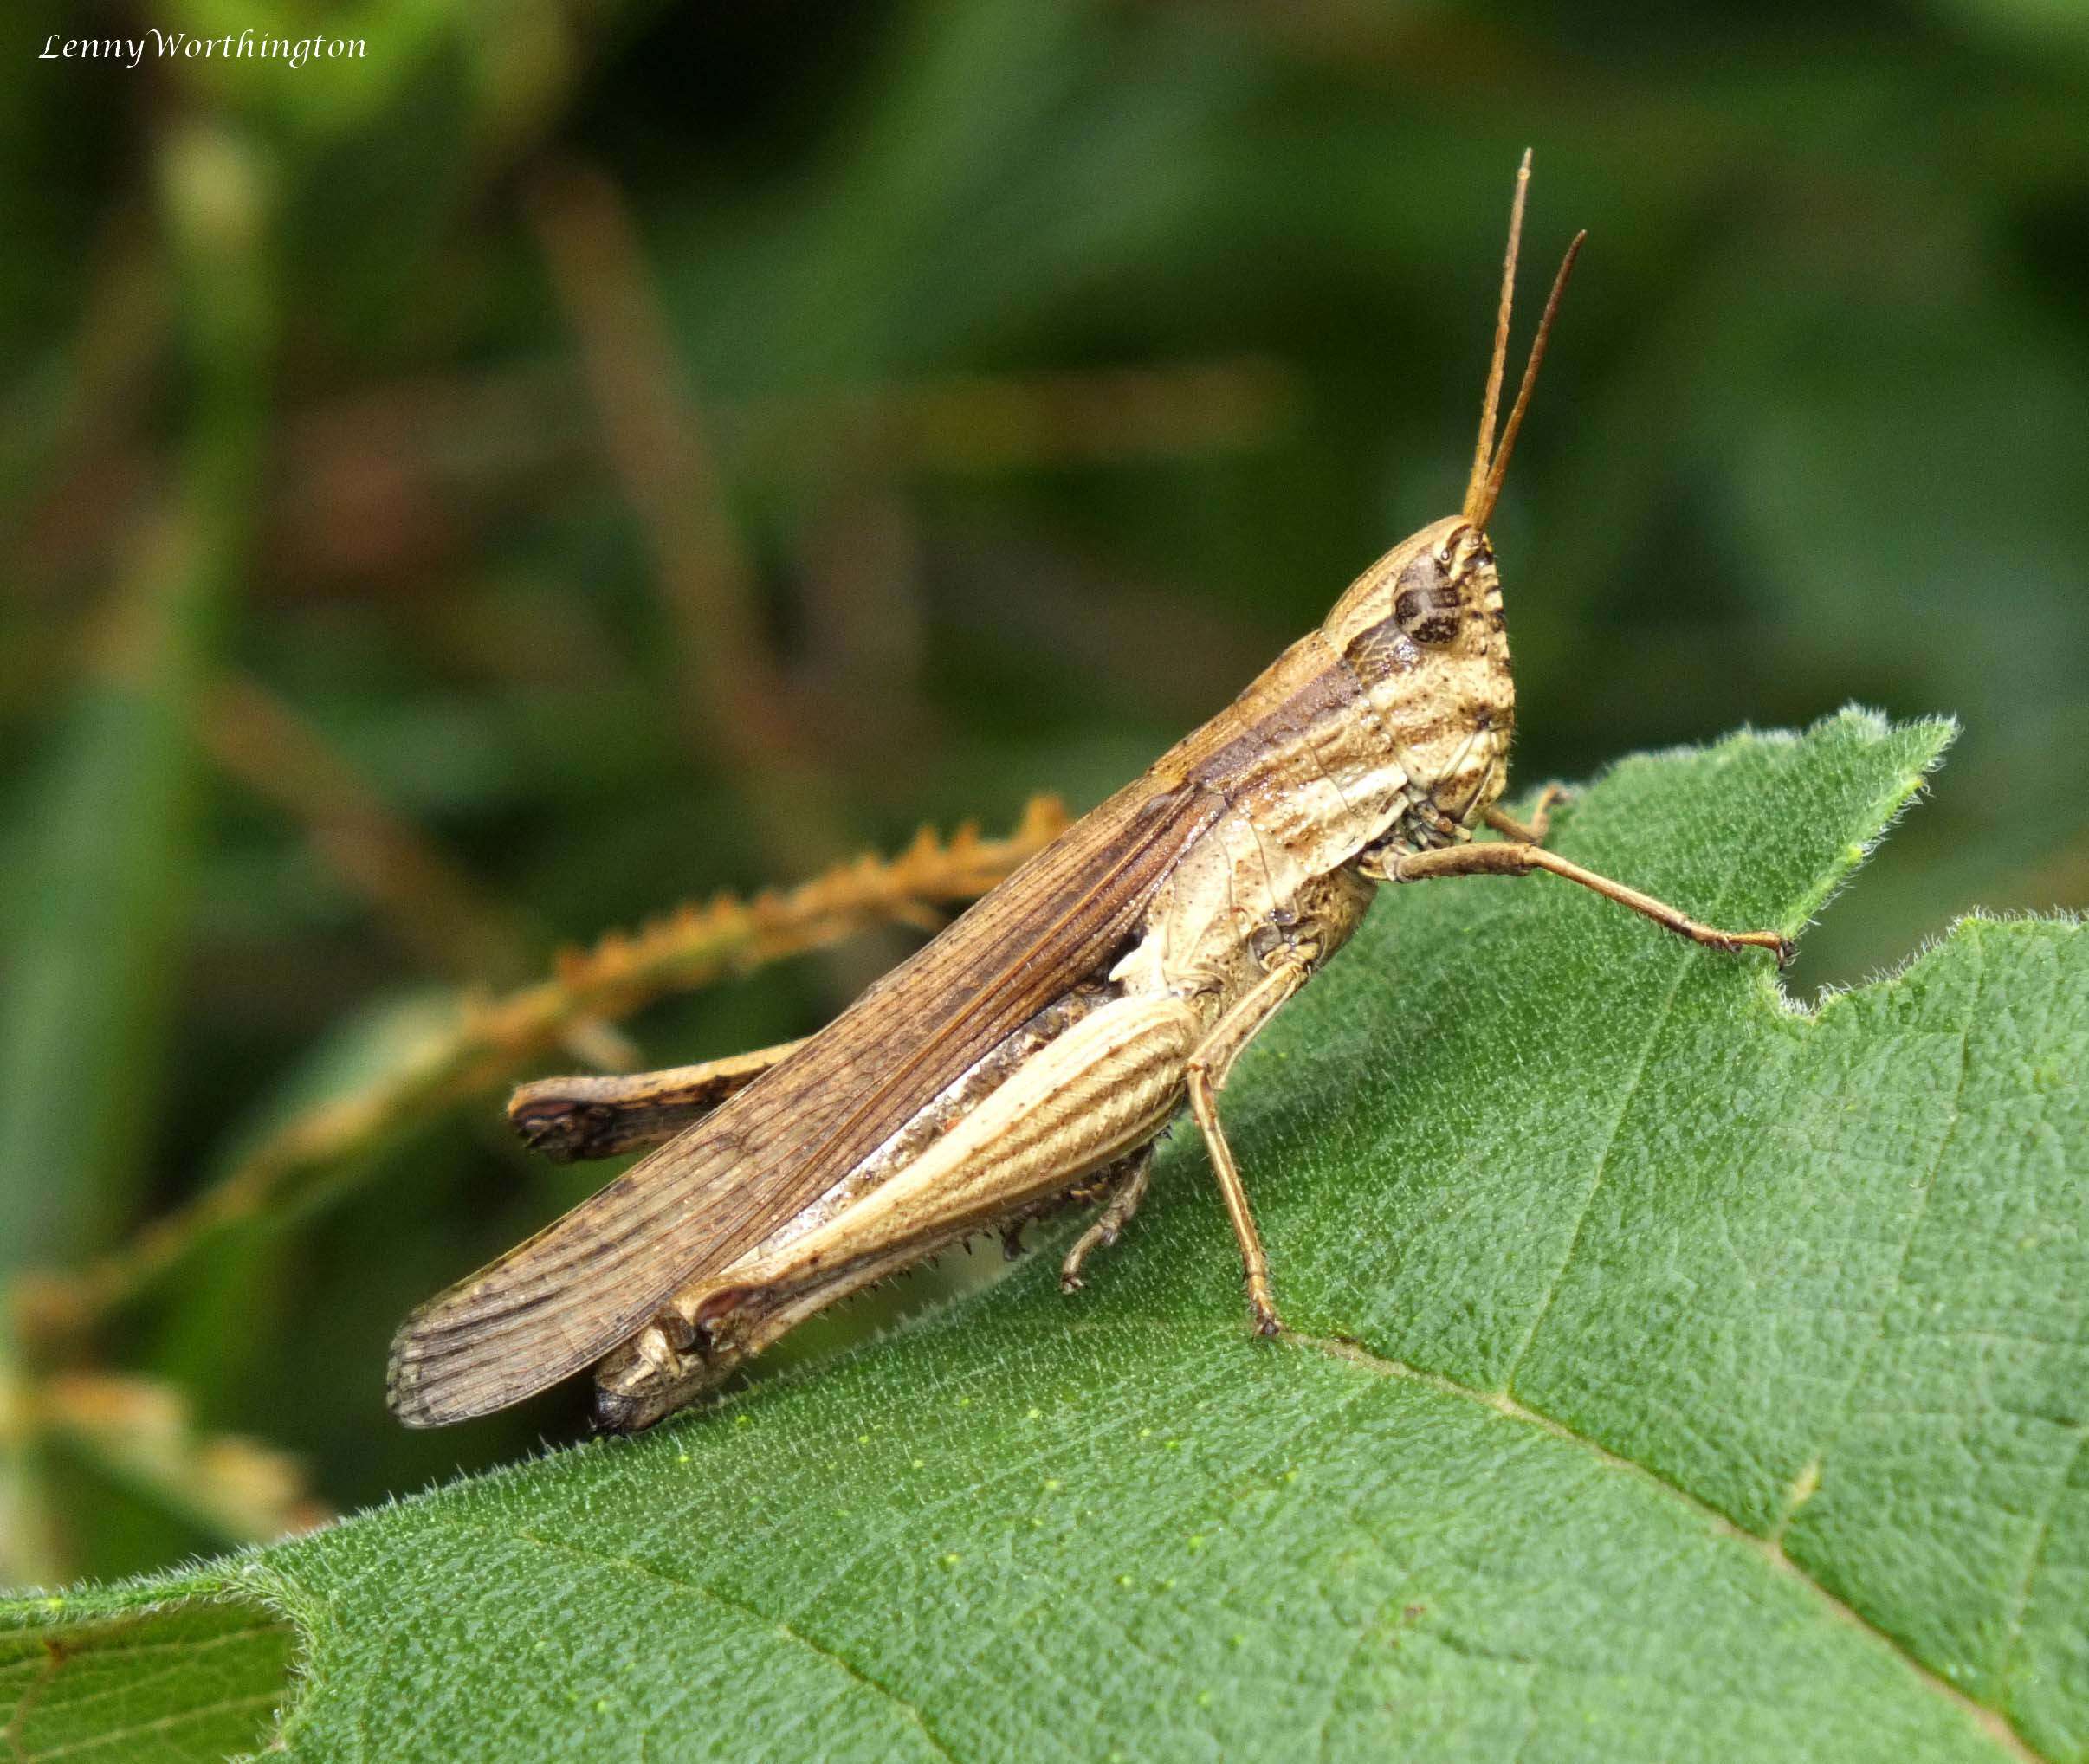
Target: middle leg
(1208,1068)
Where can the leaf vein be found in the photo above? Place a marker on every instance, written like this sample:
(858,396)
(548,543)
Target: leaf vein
(180,1717)
(1602,1169)
(1992,1721)
(1953,1117)
(698,1589)
(2034,1557)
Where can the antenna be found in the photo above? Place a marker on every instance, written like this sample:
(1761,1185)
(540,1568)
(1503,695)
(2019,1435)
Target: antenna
(1483,451)
(1484,485)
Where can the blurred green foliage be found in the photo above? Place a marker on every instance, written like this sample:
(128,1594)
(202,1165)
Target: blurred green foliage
(575,457)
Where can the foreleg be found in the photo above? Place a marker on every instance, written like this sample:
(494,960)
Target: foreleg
(1533,832)
(1520,858)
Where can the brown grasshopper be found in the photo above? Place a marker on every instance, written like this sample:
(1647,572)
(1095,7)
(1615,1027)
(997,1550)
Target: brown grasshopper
(1036,1048)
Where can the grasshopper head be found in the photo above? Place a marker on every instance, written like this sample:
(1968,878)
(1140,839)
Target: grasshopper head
(1422,628)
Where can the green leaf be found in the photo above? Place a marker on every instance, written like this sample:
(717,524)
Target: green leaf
(1679,1374)
(141,1681)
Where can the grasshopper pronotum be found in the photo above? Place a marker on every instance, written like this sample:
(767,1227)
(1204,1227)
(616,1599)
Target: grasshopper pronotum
(1037,1047)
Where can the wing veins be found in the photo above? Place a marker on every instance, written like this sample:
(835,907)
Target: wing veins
(533,1310)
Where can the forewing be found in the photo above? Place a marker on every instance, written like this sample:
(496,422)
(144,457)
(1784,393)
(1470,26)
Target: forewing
(559,1301)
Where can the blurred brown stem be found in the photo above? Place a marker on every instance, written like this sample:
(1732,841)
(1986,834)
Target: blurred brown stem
(438,911)
(139,1433)
(488,1040)
(731,694)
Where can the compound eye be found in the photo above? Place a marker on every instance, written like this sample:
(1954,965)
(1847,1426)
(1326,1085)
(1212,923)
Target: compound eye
(1426,604)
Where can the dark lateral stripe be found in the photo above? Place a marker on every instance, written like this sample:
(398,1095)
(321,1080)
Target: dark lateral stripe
(1329,692)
